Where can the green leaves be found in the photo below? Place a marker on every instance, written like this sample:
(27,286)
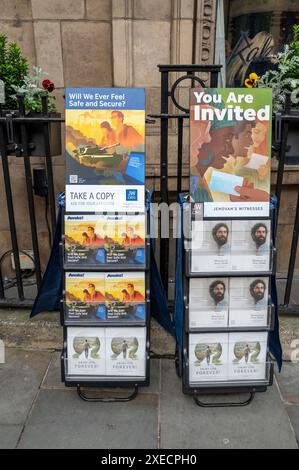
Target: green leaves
(286,77)
(14,73)
(13,69)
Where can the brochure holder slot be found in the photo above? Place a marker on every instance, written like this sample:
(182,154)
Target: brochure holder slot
(100,313)
(119,249)
(103,380)
(190,272)
(225,315)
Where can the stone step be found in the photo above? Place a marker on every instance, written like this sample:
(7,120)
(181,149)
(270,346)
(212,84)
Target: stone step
(44,332)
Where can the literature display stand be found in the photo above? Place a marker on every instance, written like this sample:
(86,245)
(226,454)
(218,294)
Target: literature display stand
(227,317)
(105,310)
(228,251)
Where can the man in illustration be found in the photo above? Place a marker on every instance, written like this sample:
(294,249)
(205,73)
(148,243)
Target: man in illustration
(259,234)
(260,138)
(125,297)
(242,139)
(130,238)
(257,290)
(234,164)
(256,182)
(212,155)
(86,296)
(107,240)
(94,239)
(124,348)
(208,354)
(134,295)
(246,353)
(125,134)
(95,295)
(85,239)
(199,135)
(220,234)
(108,136)
(248,193)
(217,292)
(86,348)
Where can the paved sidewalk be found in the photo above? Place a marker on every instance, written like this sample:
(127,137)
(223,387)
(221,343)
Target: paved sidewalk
(37,411)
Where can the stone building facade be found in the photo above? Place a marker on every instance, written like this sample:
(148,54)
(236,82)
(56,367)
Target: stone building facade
(102,43)
(105,43)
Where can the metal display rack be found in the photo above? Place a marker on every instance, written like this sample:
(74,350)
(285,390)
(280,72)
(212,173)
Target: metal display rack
(106,381)
(226,386)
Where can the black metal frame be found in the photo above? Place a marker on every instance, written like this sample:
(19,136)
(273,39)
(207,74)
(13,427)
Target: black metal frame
(282,121)
(84,397)
(224,404)
(167,92)
(81,382)
(231,387)
(182,356)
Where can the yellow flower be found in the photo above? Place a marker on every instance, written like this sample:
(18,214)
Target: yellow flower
(249,83)
(252,80)
(253,76)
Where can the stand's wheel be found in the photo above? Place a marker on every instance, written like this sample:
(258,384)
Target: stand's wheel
(224,404)
(98,399)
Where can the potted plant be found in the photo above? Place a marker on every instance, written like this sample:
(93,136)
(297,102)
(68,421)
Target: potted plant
(14,74)
(283,78)
(34,87)
(13,69)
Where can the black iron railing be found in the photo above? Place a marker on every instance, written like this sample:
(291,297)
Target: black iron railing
(282,121)
(168,91)
(15,140)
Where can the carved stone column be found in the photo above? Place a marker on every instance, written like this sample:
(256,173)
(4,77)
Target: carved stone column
(122,41)
(205,32)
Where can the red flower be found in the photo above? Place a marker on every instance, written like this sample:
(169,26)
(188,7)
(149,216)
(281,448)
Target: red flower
(48,85)
(51,87)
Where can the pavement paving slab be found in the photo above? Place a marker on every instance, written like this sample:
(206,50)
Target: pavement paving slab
(262,424)
(60,419)
(20,378)
(53,381)
(38,411)
(293,412)
(9,435)
(288,382)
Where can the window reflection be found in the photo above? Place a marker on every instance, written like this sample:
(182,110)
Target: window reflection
(253,33)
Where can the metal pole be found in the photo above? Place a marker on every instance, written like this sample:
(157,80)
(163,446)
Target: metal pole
(280,169)
(283,146)
(214,79)
(11,214)
(49,167)
(180,153)
(164,242)
(292,260)
(30,198)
